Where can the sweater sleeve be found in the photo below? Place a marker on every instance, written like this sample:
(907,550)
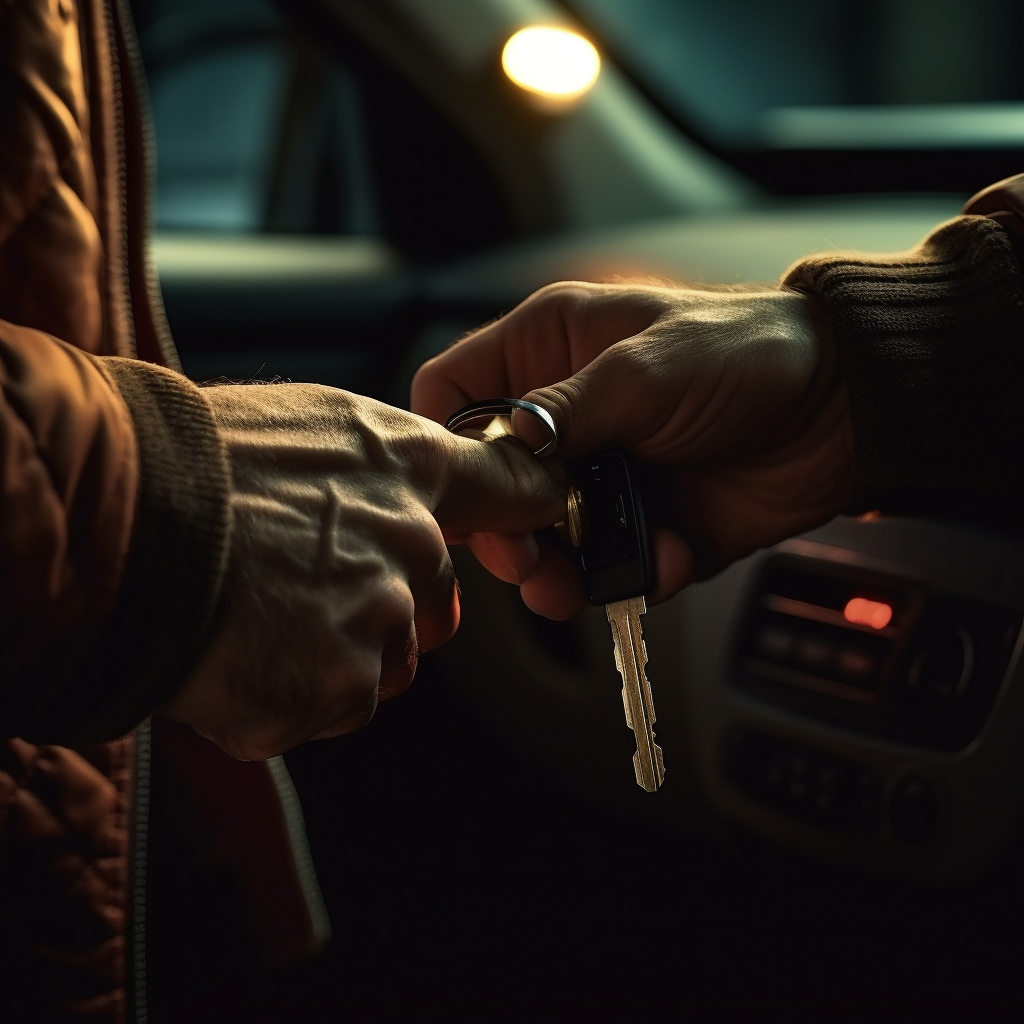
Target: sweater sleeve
(114,531)
(931,345)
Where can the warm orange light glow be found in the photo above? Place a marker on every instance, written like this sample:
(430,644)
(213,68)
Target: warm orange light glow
(551,62)
(867,613)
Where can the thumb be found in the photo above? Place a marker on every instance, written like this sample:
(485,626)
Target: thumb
(605,403)
(500,487)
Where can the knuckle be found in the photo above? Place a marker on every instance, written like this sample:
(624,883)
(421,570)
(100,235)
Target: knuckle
(560,400)
(395,607)
(423,376)
(420,451)
(565,294)
(432,371)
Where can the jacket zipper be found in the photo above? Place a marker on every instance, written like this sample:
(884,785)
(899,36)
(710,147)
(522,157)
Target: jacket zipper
(157,318)
(118,290)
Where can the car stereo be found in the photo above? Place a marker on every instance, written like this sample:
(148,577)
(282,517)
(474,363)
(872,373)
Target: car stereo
(881,655)
(856,693)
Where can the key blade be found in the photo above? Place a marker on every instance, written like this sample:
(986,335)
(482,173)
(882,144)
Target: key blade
(631,660)
(643,778)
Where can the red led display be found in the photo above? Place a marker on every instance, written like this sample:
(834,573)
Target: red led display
(863,612)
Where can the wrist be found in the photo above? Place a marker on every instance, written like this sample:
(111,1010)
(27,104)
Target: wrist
(928,343)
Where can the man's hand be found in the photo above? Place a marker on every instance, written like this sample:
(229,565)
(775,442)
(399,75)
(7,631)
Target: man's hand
(733,399)
(339,573)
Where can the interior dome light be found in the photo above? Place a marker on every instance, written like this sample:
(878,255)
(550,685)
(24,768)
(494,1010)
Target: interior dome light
(551,62)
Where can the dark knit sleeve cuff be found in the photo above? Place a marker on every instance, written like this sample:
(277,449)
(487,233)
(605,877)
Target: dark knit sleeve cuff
(931,345)
(176,564)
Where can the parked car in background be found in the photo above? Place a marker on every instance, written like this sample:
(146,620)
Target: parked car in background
(343,189)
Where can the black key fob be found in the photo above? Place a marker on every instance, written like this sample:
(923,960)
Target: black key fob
(607,529)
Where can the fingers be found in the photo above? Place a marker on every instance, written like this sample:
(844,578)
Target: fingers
(555,590)
(674,564)
(399,658)
(622,398)
(545,339)
(436,603)
(512,557)
(471,370)
(528,343)
(499,487)
(312,661)
(399,662)
(413,545)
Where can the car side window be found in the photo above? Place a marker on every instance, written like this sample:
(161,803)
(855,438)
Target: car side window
(267,123)
(215,117)
(256,128)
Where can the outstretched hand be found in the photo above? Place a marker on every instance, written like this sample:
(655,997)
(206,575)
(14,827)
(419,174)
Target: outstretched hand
(733,400)
(339,575)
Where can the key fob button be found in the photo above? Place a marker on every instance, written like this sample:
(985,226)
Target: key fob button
(614,554)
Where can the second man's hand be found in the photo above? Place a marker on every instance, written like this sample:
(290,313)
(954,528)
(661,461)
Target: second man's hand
(733,397)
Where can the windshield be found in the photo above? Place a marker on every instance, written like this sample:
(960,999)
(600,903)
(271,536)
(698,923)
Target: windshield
(751,76)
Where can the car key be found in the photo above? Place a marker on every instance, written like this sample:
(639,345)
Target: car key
(607,530)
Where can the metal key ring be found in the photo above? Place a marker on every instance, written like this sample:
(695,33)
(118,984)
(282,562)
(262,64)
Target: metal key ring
(493,407)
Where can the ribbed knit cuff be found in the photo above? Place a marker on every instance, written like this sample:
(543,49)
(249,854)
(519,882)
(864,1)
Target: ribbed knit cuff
(931,344)
(176,565)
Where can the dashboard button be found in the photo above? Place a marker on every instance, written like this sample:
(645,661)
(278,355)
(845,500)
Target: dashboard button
(823,790)
(814,653)
(855,664)
(774,643)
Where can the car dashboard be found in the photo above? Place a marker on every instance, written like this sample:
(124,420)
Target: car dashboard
(888,747)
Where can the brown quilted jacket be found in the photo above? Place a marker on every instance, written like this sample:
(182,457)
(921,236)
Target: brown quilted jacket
(114,530)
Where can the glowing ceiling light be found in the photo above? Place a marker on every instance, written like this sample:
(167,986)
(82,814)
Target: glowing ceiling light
(551,62)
